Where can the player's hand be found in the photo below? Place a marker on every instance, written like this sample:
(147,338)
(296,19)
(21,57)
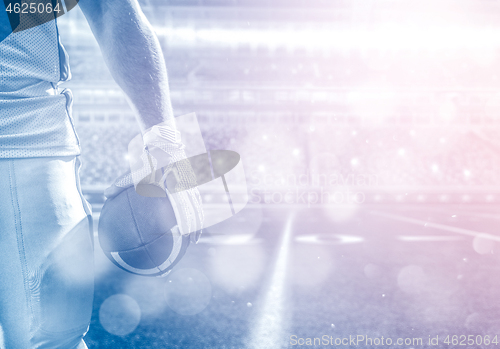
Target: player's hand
(163,157)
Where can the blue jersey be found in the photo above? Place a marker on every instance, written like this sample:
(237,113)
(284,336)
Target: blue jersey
(35,118)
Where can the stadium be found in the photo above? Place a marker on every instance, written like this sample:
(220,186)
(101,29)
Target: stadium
(369,136)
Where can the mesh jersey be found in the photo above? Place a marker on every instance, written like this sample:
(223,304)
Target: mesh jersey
(35,118)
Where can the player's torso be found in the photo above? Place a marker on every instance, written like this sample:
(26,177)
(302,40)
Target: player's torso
(34,120)
(29,63)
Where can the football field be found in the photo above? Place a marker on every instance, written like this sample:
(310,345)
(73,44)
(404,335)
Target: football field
(406,276)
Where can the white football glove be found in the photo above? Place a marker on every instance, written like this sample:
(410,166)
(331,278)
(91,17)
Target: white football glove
(163,156)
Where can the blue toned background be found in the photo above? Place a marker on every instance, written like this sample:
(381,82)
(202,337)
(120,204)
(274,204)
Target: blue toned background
(369,135)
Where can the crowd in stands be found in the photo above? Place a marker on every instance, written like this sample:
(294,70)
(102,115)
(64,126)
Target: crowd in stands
(274,153)
(342,70)
(426,107)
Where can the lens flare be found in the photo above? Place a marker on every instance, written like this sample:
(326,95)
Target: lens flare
(412,279)
(188,291)
(120,314)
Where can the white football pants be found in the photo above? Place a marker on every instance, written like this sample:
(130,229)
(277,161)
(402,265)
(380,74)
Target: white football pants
(46,254)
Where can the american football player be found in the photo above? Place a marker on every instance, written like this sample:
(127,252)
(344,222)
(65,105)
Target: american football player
(46,289)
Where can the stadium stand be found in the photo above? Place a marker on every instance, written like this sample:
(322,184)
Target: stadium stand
(398,118)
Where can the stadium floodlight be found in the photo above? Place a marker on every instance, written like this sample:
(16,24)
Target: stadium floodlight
(382,37)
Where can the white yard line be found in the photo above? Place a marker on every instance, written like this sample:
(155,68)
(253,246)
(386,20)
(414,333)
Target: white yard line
(268,331)
(444,227)
(480,214)
(428,238)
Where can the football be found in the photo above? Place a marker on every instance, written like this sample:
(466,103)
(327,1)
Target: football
(140,234)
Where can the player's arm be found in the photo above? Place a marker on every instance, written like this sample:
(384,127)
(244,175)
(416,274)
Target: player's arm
(133,55)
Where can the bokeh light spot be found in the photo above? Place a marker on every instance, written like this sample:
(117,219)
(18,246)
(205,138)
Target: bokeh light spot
(236,267)
(372,271)
(306,269)
(119,314)
(412,279)
(148,292)
(483,244)
(188,291)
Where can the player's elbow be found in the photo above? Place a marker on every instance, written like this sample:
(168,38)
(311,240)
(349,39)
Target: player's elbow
(108,19)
